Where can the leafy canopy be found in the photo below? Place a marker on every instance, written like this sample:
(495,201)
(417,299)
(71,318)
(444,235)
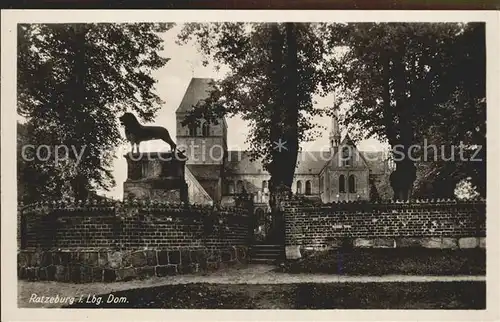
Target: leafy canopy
(73,80)
(247,89)
(413,82)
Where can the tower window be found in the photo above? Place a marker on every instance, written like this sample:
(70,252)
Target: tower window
(352,184)
(299,187)
(308,187)
(342,183)
(264,186)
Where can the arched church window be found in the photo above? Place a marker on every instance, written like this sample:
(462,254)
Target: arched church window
(352,184)
(346,156)
(299,187)
(205,129)
(230,187)
(341,183)
(264,186)
(239,186)
(308,187)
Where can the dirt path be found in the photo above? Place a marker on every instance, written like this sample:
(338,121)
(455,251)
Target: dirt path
(251,274)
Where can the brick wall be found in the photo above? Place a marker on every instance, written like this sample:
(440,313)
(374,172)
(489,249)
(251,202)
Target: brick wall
(136,239)
(314,226)
(129,226)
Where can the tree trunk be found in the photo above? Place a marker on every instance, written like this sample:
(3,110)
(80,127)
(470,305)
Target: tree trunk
(276,131)
(388,111)
(285,114)
(291,107)
(405,174)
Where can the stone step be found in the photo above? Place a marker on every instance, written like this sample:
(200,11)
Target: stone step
(265,251)
(265,254)
(263,260)
(266,247)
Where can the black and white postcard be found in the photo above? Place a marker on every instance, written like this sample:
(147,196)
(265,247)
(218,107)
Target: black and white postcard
(286,165)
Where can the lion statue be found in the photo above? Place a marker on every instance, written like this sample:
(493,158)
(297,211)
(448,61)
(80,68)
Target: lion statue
(137,133)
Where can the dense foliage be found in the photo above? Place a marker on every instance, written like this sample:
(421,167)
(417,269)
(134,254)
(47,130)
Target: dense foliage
(417,84)
(73,81)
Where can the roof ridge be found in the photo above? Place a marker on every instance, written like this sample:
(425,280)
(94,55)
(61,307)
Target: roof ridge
(197,90)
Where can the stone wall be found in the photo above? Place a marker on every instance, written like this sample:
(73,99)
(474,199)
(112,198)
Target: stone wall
(117,241)
(435,224)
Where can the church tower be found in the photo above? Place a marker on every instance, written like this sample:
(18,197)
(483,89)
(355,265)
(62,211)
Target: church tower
(335,132)
(205,145)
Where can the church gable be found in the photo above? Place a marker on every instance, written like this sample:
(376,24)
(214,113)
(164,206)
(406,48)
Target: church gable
(348,156)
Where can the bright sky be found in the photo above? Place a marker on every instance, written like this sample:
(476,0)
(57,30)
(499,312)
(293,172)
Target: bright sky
(173,79)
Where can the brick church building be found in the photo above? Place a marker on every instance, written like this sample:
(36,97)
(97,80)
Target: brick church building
(215,174)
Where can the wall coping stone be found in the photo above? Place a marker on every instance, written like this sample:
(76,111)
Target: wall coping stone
(295,200)
(97,206)
(363,205)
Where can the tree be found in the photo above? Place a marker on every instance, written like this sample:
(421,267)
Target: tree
(47,180)
(274,71)
(73,79)
(460,122)
(400,79)
(374,195)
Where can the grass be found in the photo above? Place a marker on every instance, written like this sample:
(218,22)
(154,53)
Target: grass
(432,295)
(399,261)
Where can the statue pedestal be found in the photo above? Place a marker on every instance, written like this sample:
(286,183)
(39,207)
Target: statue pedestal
(156,176)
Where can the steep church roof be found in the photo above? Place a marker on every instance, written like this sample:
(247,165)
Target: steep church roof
(311,162)
(198,89)
(205,171)
(239,162)
(308,162)
(376,161)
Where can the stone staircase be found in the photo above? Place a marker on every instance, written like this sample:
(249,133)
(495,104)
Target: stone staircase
(266,254)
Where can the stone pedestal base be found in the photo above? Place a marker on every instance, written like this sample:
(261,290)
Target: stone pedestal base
(145,190)
(155,176)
